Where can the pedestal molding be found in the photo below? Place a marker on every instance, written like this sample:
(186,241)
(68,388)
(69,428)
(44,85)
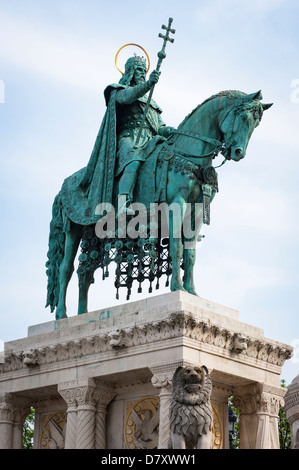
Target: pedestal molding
(181,324)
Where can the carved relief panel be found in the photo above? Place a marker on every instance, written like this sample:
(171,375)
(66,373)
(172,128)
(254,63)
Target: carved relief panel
(141,429)
(52,435)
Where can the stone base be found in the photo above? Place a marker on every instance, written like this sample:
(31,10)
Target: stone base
(97,380)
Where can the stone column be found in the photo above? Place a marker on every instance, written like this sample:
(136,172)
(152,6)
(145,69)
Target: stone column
(80,424)
(102,397)
(291,409)
(21,410)
(6,421)
(85,416)
(162,380)
(259,406)
(13,412)
(68,394)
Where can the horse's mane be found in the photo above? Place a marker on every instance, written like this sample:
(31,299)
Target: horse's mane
(231,94)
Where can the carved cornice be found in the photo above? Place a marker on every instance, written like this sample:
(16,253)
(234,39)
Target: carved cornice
(176,325)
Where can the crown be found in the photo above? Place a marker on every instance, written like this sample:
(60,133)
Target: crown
(136,61)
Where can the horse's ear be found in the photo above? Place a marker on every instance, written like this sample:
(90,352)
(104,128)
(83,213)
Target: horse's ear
(254,96)
(266,106)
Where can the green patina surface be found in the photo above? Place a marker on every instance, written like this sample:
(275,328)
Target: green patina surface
(138,156)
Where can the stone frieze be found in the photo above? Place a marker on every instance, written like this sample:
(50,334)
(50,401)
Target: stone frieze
(180,324)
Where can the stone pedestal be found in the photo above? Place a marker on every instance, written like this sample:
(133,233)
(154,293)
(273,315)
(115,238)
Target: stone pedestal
(104,379)
(292,410)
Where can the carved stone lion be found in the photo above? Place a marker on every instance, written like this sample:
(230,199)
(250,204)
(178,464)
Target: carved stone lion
(191,414)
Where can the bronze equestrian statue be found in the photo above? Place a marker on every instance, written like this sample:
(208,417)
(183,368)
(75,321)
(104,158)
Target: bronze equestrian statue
(138,161)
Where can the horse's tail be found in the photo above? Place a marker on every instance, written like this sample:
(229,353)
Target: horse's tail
(56,252)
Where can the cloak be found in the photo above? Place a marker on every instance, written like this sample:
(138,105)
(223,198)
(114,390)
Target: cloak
(93,184)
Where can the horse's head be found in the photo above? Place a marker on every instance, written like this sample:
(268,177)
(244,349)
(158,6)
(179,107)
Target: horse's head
(238,123)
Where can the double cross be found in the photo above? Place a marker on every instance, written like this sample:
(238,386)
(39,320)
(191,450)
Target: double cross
(166,38)
(161,57)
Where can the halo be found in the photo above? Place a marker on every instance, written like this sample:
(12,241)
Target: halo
(132,44)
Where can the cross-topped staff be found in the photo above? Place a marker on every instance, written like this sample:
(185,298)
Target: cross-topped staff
(161,57)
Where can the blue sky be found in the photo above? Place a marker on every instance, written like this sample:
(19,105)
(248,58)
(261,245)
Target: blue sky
(56,58)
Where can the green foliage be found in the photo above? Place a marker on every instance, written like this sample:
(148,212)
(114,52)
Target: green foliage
(28,430)
(284,428)
(235,442)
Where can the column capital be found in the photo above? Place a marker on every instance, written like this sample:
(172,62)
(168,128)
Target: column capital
(6,407)
(259,398)
(13,408)
(78,392)
(102,397)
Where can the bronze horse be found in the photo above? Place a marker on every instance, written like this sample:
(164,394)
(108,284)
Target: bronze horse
(221,124)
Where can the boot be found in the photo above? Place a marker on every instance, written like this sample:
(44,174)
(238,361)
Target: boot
(126,188)
(125,207)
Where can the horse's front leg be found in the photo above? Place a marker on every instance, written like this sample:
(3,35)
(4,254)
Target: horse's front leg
(192,226)
(72,240)
(176,254)
(176,216)
(189,261)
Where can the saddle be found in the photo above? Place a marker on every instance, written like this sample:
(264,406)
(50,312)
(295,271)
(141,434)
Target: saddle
(149,189)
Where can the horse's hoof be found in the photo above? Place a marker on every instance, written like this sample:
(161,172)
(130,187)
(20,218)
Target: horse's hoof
(191,290)
(82,312)
(60,316)
(177,286)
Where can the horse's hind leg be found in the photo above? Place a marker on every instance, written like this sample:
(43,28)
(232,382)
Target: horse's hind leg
(84,284)
(72,240)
